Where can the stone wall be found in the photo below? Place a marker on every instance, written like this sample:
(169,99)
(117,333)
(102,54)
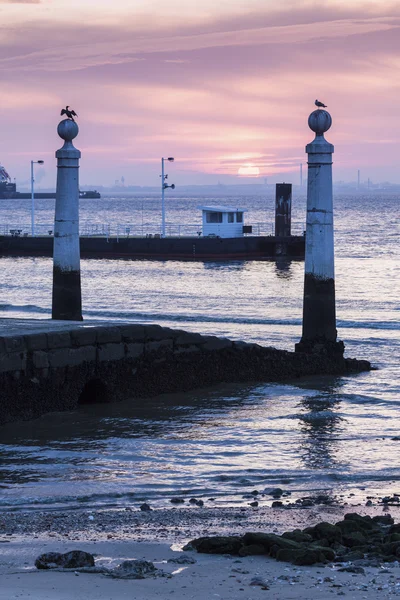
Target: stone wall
(56,370)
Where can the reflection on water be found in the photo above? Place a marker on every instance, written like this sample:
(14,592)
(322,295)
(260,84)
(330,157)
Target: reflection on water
(219,442)
(283,268)
(229,440)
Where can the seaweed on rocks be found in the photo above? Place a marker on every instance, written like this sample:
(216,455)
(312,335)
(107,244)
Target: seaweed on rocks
(355,537)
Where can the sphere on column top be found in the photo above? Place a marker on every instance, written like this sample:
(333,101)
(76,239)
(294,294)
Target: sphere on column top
(67,130)
(319,121)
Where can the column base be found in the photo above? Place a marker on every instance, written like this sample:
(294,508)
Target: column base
(67,299)
(320,346)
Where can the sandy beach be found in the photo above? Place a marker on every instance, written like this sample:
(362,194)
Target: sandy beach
(158,536)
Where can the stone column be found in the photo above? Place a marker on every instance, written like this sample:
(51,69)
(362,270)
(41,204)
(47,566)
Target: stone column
(67,298)
(319,311)
(283,209)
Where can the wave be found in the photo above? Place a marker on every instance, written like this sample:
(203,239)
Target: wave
(198,318)
(28,308)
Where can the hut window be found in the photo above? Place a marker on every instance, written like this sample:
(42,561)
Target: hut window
(214,217)
(239,217)
(231,217)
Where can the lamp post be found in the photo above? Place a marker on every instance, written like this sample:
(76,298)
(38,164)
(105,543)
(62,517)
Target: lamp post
(33,162)
(164,186)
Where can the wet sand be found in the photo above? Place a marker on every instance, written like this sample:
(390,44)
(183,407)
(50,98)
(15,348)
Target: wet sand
(114,536)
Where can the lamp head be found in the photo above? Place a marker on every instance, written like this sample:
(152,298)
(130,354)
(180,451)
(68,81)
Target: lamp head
(172,186)
(40,162)
(171,159)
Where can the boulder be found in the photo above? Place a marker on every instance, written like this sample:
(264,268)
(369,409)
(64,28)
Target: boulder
(383,519)
(363,522)
(74,559)
(217,545)
(325,531)
(270,541)
(348,527)
(134,569)
(300,557)
(251,550)
(356,538)
(297,536)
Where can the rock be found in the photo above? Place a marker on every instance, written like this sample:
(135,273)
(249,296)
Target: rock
(183,559)
(395,528)
(348,527)
(326,531)
(297,536)
(300,557)
(276,492)
(353,555)
(383,519)
(356,538)
(393,548)
(271,542)
(277,504)
(145,507)
(326,552)
(352,569)
(260,581)
(70,560)
(255,503)
(134,569)
(363,522)
(251,550)
(217,545)
(177,500)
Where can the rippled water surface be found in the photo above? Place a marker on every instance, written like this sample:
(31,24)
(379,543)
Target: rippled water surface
(318,434)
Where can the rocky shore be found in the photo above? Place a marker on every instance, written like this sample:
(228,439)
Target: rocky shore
(354,555)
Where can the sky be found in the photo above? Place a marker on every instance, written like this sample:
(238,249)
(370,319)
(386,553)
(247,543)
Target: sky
(225,87)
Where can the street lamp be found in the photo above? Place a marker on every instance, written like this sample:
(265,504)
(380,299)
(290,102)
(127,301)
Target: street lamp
(164,186)
(33,162)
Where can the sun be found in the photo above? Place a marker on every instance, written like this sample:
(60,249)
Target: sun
(248,170)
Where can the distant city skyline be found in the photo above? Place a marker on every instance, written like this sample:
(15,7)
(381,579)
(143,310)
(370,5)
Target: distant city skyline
(225,88)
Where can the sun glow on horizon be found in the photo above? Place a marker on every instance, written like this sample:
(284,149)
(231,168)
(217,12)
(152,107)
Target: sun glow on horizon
(248,170)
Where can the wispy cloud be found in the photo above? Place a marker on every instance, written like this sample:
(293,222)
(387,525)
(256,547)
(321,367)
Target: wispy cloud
(228,88)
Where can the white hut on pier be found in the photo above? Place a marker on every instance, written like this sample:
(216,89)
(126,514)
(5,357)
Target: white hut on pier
(223,221)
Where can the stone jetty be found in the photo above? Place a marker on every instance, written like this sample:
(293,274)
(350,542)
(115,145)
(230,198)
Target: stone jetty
(48,365)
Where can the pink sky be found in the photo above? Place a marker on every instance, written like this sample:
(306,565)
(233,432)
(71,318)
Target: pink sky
(219,87)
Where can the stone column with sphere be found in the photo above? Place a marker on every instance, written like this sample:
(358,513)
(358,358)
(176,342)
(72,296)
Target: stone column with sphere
(67,297)
(319,310)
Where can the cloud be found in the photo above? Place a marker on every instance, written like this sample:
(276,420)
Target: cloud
(80,55)
(20,1)
(218,94)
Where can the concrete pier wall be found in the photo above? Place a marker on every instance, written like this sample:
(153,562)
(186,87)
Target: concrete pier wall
(46,368)
(186,248)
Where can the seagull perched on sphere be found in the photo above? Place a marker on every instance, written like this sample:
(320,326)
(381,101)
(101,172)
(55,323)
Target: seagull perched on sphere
(70,113)
(320,104)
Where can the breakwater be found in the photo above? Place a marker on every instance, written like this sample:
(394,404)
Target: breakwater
(188,248)
(55,366)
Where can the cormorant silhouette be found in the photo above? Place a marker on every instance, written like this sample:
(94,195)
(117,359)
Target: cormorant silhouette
(70,113)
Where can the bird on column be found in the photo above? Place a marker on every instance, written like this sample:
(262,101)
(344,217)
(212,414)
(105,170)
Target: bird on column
(320,104)
(69,112)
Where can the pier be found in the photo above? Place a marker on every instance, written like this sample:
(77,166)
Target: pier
(48,366)
(187,248)
(56,365)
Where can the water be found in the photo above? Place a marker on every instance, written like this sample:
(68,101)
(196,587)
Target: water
(331,434)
